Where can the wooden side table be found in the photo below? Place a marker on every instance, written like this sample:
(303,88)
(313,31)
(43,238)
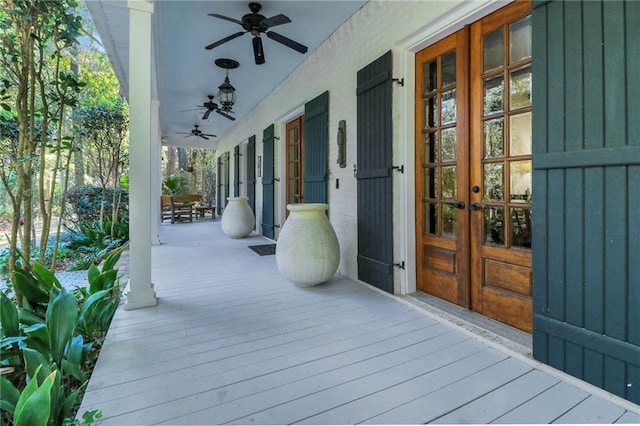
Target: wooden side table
(201,210)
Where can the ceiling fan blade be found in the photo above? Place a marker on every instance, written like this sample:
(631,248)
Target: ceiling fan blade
(287,42)
(209,134)
(193,109)
(224,40)
(258,51)
(206,114)
(189,135)
(276,20)
(225,115)
(226,18)
(203,137)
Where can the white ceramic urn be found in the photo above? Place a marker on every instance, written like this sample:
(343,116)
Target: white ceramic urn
(237,218)
(307,251)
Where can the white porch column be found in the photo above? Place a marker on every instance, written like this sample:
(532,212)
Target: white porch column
(156,171)
(140,289)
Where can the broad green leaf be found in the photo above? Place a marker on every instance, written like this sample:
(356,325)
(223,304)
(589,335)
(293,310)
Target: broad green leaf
(8,317)
(28,390)
(73,363)
(92,273)
(36,409)
(11,340)
(111,260)
(62,316)
(29,318)
(9,395)
(92,300)
(38,338)
(104,281)
(30,288)
(45,276)
(34,359)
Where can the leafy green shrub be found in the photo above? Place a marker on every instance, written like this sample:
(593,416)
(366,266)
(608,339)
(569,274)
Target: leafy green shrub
(178,183)
(43,343)
(86,201)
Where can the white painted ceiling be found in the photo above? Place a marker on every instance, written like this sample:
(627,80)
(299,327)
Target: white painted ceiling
(186,72)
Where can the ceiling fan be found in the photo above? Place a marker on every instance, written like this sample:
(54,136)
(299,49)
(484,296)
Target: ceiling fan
(256,24)
(212,106)
(196,132)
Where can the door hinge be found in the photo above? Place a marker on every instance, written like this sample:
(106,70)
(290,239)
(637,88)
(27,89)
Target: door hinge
(399,168)
(399,265)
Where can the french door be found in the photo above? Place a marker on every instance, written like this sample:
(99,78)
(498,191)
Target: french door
(473,167)
(295,161)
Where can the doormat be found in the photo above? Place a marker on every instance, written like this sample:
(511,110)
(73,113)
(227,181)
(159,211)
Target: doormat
(264,249)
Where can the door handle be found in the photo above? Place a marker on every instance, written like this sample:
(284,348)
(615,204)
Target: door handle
(475,206)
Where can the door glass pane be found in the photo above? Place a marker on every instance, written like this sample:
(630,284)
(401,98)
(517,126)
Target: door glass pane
(449,69)
(494,225)
(494,138)
(520,181)
(520,134)
(293,153)
(520,40)
(520,92)
(493,51)
(521,228)
(493,95)
(449,221)
(431,112)
(430,219)
(449,182)
(449,107)
(430,148)
(430,188)
(430,70)
(448,144)
(493,182)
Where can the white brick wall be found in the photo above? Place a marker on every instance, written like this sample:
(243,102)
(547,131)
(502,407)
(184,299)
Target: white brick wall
(404,26)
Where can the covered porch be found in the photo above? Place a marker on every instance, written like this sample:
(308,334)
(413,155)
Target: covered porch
(231,341)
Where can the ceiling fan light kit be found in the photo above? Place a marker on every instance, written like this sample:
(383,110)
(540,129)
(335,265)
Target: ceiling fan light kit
(257,24)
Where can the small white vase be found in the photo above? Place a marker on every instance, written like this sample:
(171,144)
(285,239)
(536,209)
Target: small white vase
(307,251)
(237,218)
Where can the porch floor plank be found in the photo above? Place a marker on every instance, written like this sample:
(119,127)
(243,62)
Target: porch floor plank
(232,341)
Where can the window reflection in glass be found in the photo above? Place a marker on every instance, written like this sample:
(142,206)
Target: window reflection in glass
(520,90)
(449,221)
(431,112)
(448,143)
(493,182)
(493,51)
(520,181)
(449,182)
(493,95)
(520,40)
(449,69)
(494,225)
(449,107)
(430,72)
(494,138)
(430,148)
(430,179)
(430,219)
(520,134)
(521,228)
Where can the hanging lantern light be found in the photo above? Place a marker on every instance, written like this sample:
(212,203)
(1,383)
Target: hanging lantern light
(226,91)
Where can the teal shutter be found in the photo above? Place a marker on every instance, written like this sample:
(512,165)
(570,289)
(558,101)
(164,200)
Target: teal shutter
(251,173)
(586,203)
(236,171)
(268,220)
(225,161)
(219,188)
(316,149)
(375,183)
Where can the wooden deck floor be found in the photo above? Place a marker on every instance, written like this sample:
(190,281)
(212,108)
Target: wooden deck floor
(231,341)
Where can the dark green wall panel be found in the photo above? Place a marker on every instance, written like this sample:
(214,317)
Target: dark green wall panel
(586,138)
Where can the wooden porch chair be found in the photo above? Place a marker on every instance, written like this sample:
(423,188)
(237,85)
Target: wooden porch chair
(165,207)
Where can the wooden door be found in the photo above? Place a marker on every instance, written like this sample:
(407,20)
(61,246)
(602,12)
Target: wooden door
(442,159)
(375,173)
(473,168)
(295,161)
